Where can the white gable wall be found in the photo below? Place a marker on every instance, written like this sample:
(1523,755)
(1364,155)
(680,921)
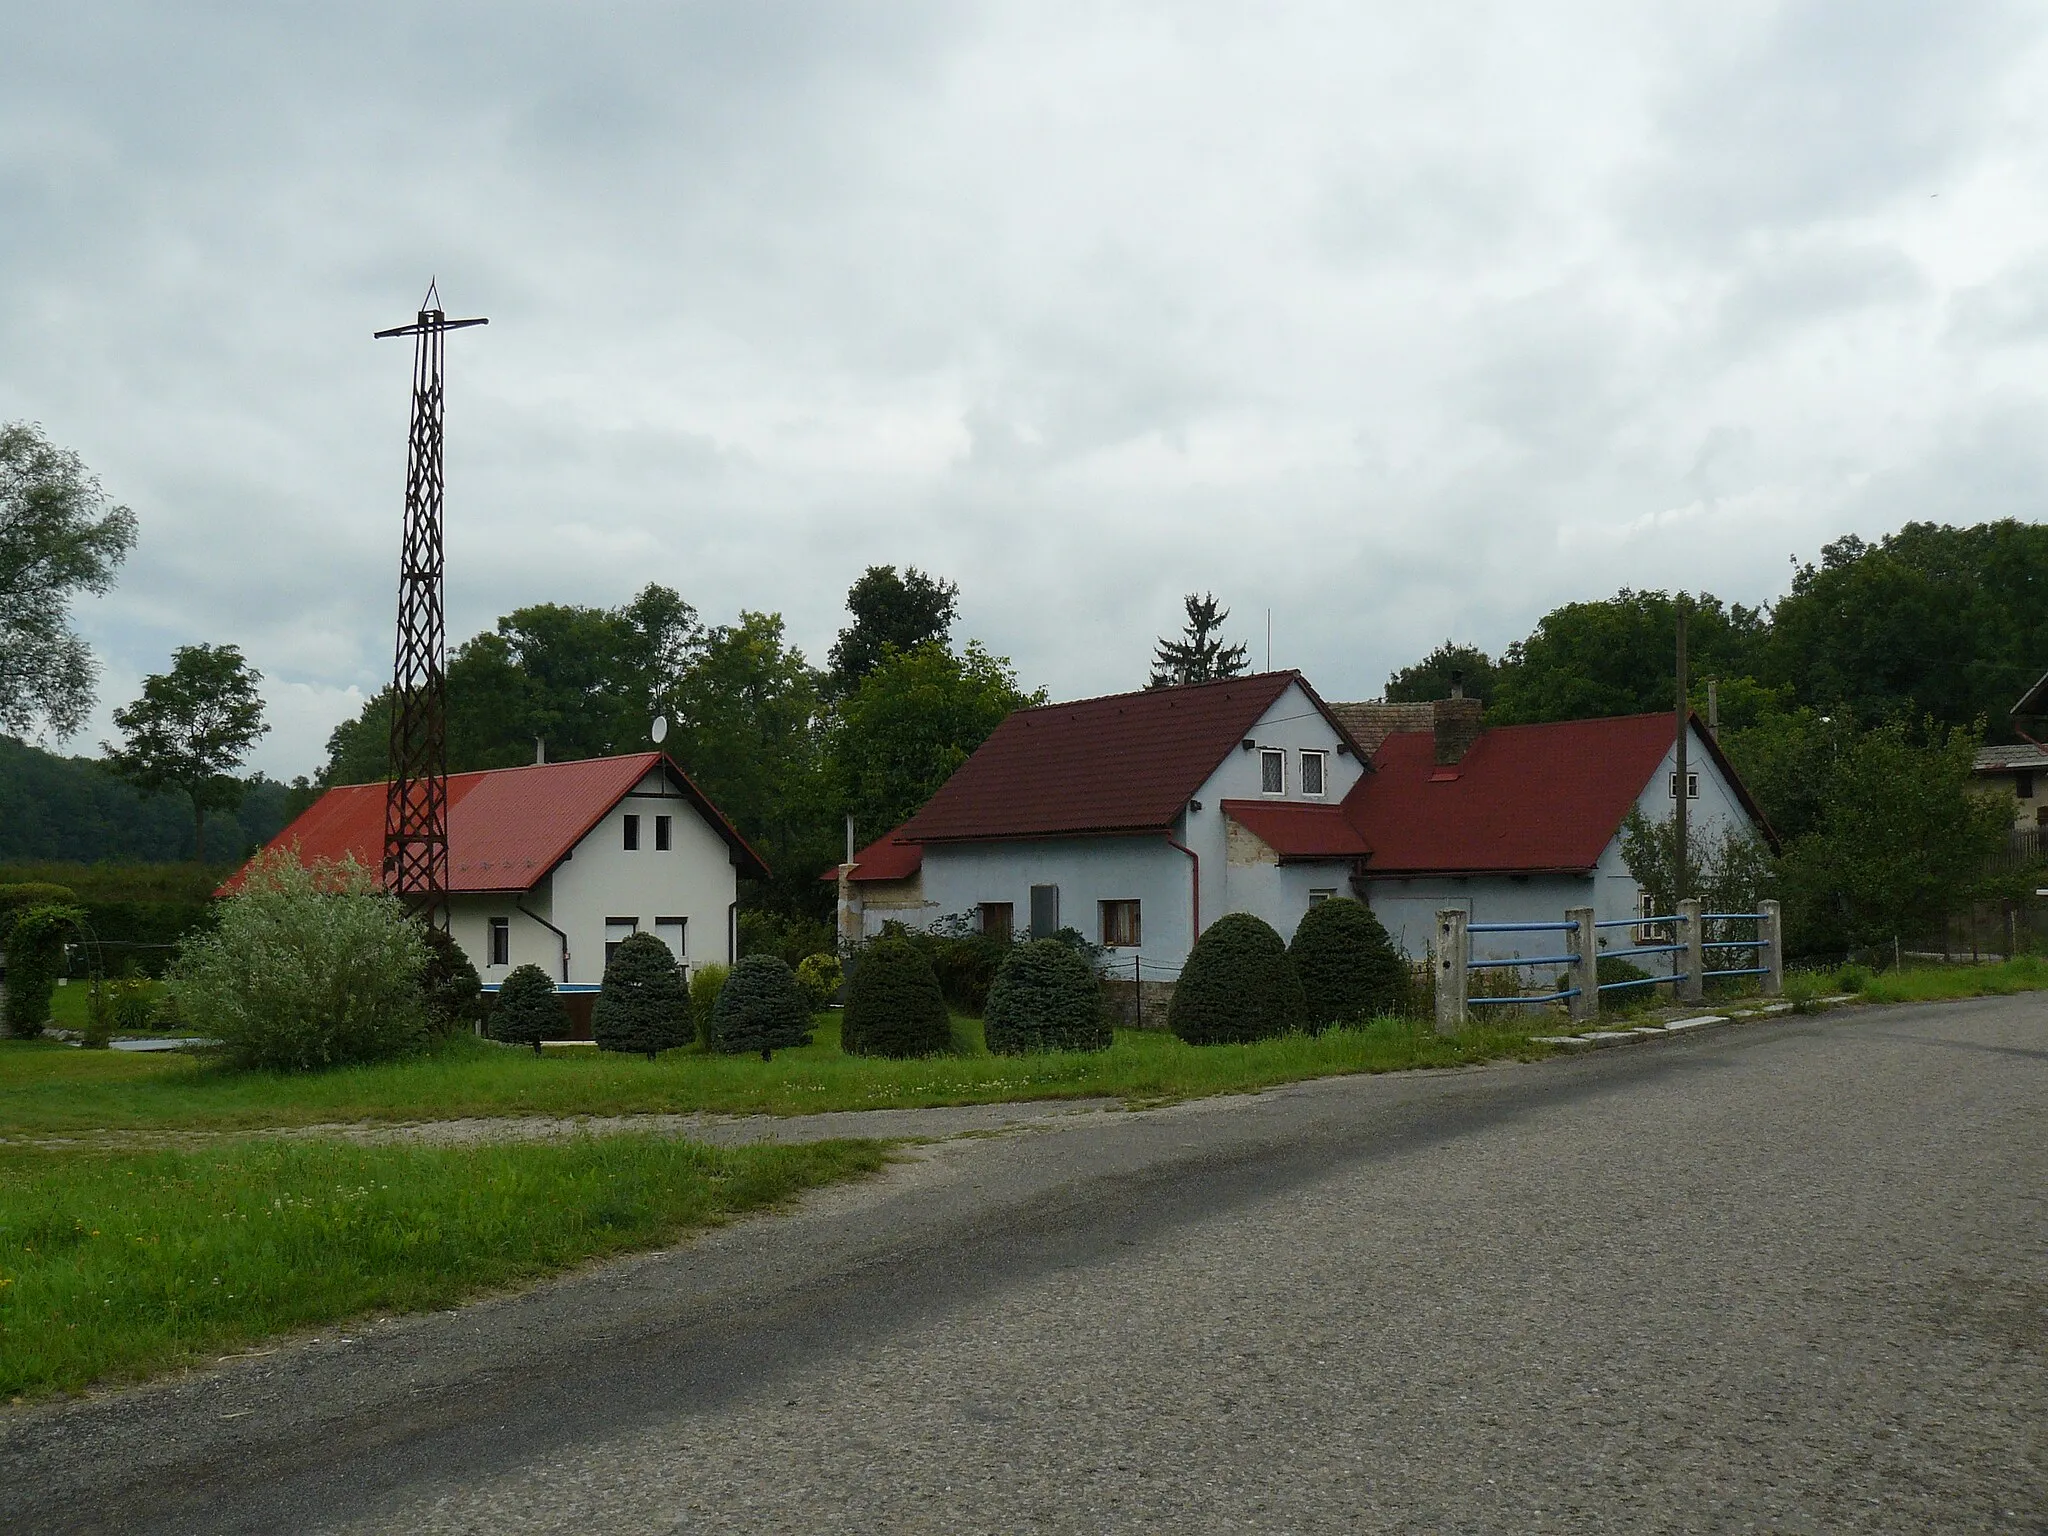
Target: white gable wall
(694,879)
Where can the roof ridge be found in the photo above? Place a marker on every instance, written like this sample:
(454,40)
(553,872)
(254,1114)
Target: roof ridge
(1153,693)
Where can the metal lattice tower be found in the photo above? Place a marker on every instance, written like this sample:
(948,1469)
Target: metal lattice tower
(416,802)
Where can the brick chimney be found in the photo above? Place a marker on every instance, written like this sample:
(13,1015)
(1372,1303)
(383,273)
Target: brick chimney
(1456,721)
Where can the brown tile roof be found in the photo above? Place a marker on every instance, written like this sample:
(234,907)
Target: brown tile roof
(1125,763)
(1373,721)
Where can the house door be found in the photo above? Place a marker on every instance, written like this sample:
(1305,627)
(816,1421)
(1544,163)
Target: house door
(1045,911)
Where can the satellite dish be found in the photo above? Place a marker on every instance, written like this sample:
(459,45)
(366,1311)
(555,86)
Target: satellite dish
(660,732)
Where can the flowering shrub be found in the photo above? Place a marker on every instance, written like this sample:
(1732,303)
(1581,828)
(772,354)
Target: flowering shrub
(307,967)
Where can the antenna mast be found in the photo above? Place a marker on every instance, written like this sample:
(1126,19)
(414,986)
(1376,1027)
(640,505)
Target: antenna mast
(416,800)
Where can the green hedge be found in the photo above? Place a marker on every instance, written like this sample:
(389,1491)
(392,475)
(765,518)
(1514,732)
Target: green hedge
(643,1005)
(1349,968)
(1238,985)
(759,1008)
(893,1004)
(528,1009)
(1046,998)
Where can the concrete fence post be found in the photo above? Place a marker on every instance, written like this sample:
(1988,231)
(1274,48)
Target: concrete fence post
(1585,971)
(1453,961)
(1693,955)
(1771,938)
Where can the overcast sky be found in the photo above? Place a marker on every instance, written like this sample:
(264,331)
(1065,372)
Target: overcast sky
(1403,321)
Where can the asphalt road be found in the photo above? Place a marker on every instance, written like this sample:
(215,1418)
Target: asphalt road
(1787,1277)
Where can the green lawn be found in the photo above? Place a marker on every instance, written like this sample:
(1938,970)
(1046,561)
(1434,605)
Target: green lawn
(117,1264)
(46,1087)
(1935,983)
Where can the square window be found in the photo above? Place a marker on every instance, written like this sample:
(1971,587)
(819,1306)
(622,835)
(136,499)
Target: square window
(998,919)
(632,825)
(616,931)
(674,932)
(1119,924)
(663,826)
(1272,773)
(1312,766)
(501,941)
(1692,786)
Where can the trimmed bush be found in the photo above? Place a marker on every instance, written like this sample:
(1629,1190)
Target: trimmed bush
(528,1010)
(449,986)
(306,967)
(706,981)
(1349,968)
(643,1007)
(1046,998)
(820,976)
(759,1008)
(893,1004)
(35,959)
(1237,985)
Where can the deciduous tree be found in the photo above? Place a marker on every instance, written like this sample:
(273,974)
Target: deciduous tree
(890,612)
(191,729)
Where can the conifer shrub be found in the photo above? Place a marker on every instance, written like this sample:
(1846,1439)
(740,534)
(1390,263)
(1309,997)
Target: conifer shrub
(760,1008)
(1238,985)
(643,1005)
(893,1004)
(820,976)
(449,985)
(1349,968)
(528,1010)
(1046,998)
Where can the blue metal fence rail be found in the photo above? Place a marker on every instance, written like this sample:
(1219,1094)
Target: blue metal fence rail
(1519,961)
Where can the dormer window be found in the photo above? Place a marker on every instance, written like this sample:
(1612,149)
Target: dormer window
(1313,766)
(1272,772)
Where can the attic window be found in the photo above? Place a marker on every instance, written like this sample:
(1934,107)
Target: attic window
(1272,772)
(1312,772)
(662,828)
(632,825)
(1692,786)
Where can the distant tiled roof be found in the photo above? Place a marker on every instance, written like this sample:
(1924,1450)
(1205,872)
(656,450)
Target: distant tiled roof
(1373,721)
(2025,757)
(1295,830)
(1125,763)
(507,827)
(883,859)
(1523,799)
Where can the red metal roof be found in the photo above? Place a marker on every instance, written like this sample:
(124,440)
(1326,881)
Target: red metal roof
(1296,830)
(1125,763)
(1524,798)
(507,827)
(883,859)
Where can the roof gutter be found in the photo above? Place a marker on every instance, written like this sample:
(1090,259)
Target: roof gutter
(1194,881)
(551,928)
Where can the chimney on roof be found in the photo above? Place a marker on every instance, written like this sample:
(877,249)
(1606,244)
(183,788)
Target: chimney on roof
(1456,721)
(540,753)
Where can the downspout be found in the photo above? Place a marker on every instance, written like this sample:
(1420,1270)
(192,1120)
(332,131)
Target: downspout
(732,933)
(551,928)
(1194,881)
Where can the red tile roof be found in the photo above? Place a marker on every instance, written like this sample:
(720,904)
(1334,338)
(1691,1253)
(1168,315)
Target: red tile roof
(1125,763)
(1293,829)
(507,827)
(883,859)
(1525,798)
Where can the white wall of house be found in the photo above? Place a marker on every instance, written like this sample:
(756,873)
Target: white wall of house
(1085,871)
(601,880)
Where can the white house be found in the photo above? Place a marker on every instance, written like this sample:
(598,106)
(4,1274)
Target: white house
(1140,818)
(556,863)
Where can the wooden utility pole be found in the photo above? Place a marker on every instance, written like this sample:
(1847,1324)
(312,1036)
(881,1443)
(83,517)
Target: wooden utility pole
(1681,879)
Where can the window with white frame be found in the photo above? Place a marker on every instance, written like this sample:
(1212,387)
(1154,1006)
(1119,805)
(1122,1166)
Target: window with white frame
(1321,894)
(616,931)
(1272,772)
(675,933)
(1313,769)
(1692,786)
(501,941)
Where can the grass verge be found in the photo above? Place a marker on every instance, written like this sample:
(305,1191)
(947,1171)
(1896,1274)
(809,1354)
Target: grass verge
(46,1088)
(1937,983)
(116,1265)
